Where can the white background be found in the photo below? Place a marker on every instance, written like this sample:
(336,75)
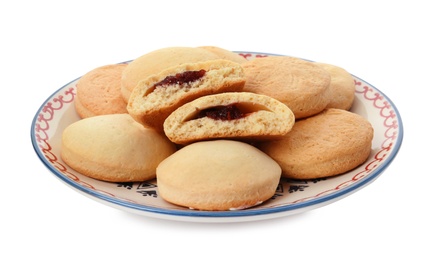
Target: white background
(46,44)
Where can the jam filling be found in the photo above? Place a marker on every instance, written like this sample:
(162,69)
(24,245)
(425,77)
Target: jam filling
(229,112)
(181,78)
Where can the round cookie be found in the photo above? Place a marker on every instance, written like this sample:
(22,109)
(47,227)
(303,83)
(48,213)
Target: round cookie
(98,92)
(156,61)
(233,115)
(327,144)
(301,85)
(225,54)
(218,175)
(156,97)
(342,86)
(114,148)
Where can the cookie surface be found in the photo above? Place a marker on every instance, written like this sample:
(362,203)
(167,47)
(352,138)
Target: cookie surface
(114,148)
(236,115)
(218,175)
(153,99)
(342,86)
(300,84)
(158,60)
(98,92)
(330,143)
(224,54)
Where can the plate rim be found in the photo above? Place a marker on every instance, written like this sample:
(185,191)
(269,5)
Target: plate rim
(251,212)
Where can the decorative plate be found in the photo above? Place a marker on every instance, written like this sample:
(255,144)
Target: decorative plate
(291,197)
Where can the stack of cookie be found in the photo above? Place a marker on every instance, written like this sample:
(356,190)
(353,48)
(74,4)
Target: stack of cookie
(216,131)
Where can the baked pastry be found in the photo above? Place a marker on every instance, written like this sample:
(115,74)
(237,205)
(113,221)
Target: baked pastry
(158,60)
(238,115)
(218,175)
(342,86)
(327,144)
(114,148)
(301,85)
(98,92)
(154,98)
(225,54)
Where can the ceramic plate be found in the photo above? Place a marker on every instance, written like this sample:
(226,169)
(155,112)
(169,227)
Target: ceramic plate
(291,196)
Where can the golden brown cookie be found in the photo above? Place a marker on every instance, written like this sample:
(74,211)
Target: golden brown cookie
(327,144)
(342,87)
(236,115)
(98,92)
(154,98)
(158,60)
(301,85)
(114,148)
(218,175)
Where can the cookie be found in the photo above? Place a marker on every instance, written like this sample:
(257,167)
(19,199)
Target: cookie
(218,175)
(114,148)
(225,54)
(342,87)
(237,115)
(154,98)
(98,92)
(301,85)
(327,144)
(158,60)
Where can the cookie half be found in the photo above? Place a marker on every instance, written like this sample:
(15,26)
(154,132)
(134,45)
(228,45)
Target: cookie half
(238,115)
(327,144)
(301,85)
(154,98)
(158,60)
(98,92)
(114,148)
(218,175)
